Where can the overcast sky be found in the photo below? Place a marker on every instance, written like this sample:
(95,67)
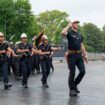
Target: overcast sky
(83,10)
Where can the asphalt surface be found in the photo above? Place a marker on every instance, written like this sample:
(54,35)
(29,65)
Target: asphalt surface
(92,88)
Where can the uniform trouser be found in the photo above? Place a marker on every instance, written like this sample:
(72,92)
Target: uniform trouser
(45,65)
(32,63)
(17,72)
(35,63)
(38,63)
(73,61)
(25,66)
(51,60)
(14,64)
(4,69)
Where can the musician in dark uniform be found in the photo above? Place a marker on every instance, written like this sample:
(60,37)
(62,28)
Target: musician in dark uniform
(13,62)
(75,56)
(45,50)
(5,52)
(35,59)
(24,48)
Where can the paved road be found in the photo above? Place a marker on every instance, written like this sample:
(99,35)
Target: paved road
(92,88)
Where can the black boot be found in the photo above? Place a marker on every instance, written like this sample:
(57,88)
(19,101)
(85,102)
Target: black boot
(7,85)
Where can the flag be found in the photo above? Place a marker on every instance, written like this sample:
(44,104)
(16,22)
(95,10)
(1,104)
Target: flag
(38,39)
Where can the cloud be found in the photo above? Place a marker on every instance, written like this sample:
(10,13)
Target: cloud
(84,10)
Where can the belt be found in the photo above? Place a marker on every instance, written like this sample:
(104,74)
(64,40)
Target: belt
(74,51)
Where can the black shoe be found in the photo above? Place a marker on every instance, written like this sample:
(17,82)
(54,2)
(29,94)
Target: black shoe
(77,90)
(7,86)
(45,85)
(73,93)
(25,86)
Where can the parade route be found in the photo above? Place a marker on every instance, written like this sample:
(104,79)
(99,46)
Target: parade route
(92,88)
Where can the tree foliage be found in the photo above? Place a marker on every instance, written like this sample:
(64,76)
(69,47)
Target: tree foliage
(53,21)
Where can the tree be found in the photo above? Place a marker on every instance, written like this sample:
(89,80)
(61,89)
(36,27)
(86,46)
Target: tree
(6,12)
(103,33)
(94,38)
(16,18)
(54,21)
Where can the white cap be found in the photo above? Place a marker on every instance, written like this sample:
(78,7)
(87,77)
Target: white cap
(1,34)
(44,37)
(23,35)
(75,21)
